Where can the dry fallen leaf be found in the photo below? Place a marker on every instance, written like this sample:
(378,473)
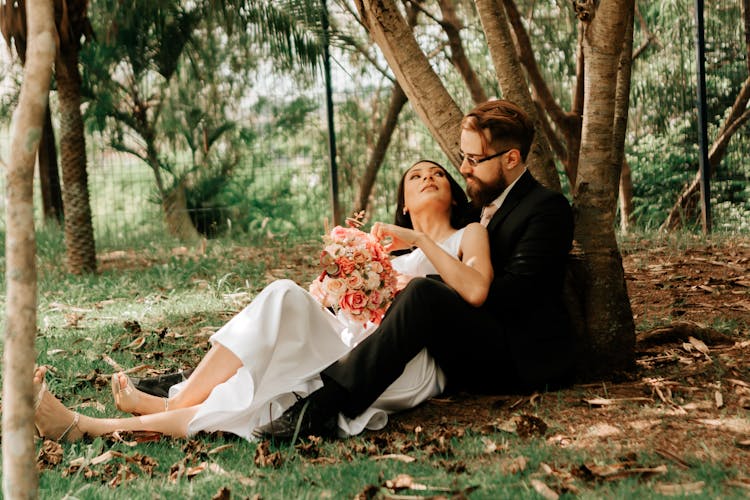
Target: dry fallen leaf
(544,490)
(699,345)
(219,449)
(509,466)
(50,455)
(264,457)
(679,488)
(136,344)
(101,459)
(404,482)
(224,493)
(489,445)
(609,402)
(738,425)
(394,456)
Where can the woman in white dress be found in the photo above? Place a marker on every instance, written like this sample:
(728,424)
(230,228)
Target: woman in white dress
(273,351)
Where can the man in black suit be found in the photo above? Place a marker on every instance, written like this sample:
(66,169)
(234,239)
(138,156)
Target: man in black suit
(518,340)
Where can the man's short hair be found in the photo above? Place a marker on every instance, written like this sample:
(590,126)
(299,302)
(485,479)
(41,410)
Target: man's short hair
(507,123)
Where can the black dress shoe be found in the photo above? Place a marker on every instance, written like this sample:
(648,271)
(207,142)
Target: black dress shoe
(304,418)
(159,385)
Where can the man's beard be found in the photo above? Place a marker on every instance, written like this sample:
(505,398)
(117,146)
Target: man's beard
(482,193)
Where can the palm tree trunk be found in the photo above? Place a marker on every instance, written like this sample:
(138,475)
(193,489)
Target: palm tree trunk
(49,178)
(79,231)
(19,467)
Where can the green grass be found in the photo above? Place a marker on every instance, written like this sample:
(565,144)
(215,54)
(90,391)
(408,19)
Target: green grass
(176,299)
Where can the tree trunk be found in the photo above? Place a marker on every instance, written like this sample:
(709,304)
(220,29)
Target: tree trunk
(608,335)
(568,123)
(398,99)
(177,218)
(514,87)
(422,86)
(79,231)
(49,178)
(622,104)
(452,27)
(626,198)
(19,465)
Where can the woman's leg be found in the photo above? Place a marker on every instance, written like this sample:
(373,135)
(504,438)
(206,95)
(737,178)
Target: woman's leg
(216,367)
(55,421)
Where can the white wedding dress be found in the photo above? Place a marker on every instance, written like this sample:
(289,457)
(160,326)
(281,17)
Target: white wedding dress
(285,338)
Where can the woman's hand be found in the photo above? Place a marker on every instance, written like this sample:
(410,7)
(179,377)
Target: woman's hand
(394,237)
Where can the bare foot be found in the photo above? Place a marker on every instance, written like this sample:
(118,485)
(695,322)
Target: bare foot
(51,418)
(131,400)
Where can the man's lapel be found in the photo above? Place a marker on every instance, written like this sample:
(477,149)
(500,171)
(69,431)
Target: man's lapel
(516,194)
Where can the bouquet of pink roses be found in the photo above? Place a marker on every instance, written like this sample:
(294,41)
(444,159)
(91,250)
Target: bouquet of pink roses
(357,277)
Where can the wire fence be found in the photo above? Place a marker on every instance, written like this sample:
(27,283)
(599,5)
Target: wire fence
(280,185)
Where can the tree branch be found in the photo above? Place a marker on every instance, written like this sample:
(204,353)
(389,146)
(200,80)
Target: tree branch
(526,56)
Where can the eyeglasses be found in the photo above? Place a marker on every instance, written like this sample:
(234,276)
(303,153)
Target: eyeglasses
(473,162)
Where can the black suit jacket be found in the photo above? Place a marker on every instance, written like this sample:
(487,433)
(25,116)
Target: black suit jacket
(518,340)
(530,238)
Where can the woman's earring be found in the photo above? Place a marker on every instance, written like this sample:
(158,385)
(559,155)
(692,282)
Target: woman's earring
(405,210)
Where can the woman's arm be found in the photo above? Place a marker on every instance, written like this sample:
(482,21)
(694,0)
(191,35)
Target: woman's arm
(470,275)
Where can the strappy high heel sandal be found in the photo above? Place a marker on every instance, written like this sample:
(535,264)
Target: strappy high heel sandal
(118,392)
(37,401)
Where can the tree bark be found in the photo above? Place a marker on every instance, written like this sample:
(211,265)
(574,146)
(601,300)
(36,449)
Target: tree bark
(513,84)
(398,99)
(176,216)
(79,230)
(608,335)
(452,27)
(426,93)
(49,177)
(622,105)
(19,466)
(626,198)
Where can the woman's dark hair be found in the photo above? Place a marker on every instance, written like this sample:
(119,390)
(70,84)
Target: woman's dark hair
(462,211)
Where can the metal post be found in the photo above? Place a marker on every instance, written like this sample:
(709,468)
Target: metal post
(333,169)
(703,165)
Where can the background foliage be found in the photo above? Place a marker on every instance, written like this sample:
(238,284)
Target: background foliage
(235,118)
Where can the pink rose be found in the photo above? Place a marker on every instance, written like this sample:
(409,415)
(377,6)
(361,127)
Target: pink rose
(334,287)
(354,281)
(353,301)
(339,233)
(359,257)
(376,298)
(345,265)
(318,293)
(373,281)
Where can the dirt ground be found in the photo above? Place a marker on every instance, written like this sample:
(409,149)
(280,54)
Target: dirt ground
(689,398)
